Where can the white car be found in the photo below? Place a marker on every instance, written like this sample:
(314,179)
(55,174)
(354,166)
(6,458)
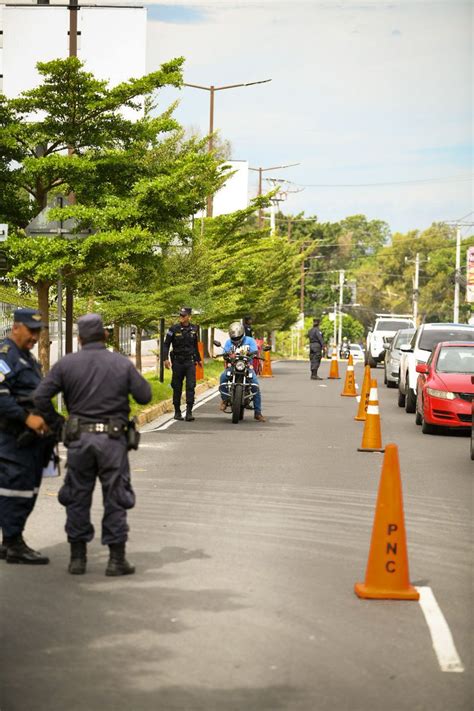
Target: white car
(392,356)
(356,351)
(385,327)
(424,340)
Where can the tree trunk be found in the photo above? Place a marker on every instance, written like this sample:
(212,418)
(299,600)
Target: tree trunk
(42,289)
(116,338)
(138,349)
(211,345)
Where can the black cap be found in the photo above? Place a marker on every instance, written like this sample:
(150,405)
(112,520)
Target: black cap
(29,317)
(185,312)
(90,327)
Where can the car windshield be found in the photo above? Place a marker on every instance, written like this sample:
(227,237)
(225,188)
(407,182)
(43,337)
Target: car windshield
(456,359)
(431,337)
(403,337)
(391,325)
(355,347)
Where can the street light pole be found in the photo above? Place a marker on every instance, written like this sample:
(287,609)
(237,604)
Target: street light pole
(457,275)
(260,186)
(212,90)
(341,298)
(73,10)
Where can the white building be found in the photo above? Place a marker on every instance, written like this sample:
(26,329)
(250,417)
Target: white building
(234,193)
(110,40)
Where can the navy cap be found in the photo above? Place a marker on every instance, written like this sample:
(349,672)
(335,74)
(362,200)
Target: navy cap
(185,312)
(91,327)
(29,317)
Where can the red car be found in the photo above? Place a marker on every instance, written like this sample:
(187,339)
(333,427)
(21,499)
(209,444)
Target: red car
(445,391)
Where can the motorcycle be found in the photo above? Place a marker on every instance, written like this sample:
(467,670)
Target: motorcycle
(238,388)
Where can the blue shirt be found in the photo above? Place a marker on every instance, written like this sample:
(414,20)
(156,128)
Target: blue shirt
(246,341)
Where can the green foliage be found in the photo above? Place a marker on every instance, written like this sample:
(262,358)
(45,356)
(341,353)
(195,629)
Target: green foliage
(352,329)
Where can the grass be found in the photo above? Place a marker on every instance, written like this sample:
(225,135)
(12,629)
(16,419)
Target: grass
(162,391)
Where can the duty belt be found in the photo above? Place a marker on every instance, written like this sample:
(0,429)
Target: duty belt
(98,427)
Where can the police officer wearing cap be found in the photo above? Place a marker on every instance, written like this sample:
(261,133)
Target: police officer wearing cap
(96,384)
(24,446)
(183,338)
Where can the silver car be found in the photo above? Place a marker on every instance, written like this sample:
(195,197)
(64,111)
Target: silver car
(392,356)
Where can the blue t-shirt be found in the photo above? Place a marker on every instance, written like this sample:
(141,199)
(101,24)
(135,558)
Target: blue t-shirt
(246,341)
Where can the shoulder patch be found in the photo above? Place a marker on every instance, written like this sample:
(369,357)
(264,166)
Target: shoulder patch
(4,368)
(170,332)
(5,348)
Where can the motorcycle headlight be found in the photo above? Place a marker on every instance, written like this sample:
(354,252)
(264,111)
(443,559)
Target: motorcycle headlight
(443,394)
(240,365)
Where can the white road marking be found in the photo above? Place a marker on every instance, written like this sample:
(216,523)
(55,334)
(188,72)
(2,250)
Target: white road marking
(171,421)
(443,644)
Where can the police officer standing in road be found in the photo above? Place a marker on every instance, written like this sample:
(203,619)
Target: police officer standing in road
(316,345)
(96,384)
(183,337)
(24,446)
(248,321)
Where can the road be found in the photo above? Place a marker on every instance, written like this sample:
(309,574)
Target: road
(248,540)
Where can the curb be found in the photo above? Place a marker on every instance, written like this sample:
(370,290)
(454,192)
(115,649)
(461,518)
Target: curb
(151,413)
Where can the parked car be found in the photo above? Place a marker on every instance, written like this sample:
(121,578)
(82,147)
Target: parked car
(385,327)
(392,356)
(423,342)
(356,351)
(445,391)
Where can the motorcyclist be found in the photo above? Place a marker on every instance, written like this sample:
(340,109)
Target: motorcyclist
(345,349)
(238,340)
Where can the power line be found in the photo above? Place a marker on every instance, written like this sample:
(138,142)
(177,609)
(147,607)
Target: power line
(453,179)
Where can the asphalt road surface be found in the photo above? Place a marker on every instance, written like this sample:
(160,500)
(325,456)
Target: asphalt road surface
(248,540)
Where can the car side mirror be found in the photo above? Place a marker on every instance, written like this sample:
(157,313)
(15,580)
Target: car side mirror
(422,368)
(406,348)
(217,343)
(386,346)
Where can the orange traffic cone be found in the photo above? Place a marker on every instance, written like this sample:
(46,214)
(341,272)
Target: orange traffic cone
(200,366)
(349,389)
(267,366)
(387,574)
(364,395)
(372,437)
(334,369)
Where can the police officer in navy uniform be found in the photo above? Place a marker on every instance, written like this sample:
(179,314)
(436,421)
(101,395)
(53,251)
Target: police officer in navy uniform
(316,345)
(96,384)
(183,337)
(248,326)
(23,436)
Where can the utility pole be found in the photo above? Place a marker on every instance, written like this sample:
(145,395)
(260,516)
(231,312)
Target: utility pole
(73,10)
(341,298)
(212,90)
(260,172)
(457,274)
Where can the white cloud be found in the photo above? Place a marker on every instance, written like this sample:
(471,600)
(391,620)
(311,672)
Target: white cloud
(361,92)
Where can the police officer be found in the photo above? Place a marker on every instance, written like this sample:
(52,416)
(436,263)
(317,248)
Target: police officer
(183,336)
(248,326)
(96,384)
(316,345)
(23,445)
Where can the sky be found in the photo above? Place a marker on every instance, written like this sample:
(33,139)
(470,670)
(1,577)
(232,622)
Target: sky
(373,99)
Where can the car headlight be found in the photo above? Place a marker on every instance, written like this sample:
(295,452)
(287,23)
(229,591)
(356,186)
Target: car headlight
(443,394)
(240,365)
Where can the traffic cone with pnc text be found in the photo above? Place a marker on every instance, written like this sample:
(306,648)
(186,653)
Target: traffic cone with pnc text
(372,437)
(349,389)
(334,369)
(364,395)
(387,576)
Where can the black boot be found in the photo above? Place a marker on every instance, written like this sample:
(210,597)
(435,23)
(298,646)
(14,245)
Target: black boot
(177,414)
(77,564)
(19,552)
(189,413)
(118,564)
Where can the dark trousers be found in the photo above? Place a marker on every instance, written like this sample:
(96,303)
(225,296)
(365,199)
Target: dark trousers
(180,372)
(97,456)
(20,479)
(315,361)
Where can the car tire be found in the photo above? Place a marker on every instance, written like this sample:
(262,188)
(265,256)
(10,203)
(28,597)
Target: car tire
(385,381)
(401,398)
(391,384)
(372,362)
(472,442)
(410,401)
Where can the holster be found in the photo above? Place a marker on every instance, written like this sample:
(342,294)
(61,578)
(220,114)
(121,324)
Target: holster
(71,430)
(133,435)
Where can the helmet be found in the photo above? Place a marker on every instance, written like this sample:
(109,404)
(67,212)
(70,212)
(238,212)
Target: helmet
(236,332)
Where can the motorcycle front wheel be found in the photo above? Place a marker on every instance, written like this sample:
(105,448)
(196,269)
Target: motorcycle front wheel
(237,402)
